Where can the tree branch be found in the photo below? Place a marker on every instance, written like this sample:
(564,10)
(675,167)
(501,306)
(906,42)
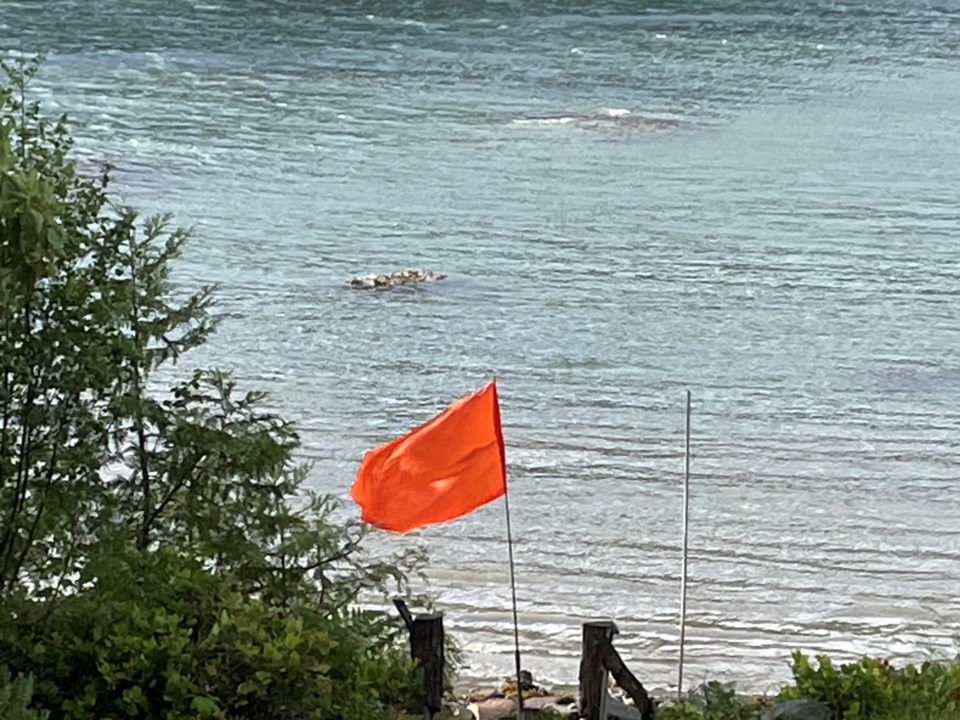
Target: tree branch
(42,501)
(178,484)
(8,539)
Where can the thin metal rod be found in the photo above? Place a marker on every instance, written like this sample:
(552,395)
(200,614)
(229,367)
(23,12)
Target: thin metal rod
(513,592)
(685,545)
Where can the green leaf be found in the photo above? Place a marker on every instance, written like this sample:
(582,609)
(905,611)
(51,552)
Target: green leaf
(263,676)
(205,707)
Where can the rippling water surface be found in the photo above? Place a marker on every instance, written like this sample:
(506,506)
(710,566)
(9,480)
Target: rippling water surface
(756,201)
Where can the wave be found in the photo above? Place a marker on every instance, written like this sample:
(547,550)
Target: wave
(609,117)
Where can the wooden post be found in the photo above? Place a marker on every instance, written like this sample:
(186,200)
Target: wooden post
(628,682)
(404,613)
(593,675)
(426,647)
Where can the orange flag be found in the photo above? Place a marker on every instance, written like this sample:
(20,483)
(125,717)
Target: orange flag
(441,471)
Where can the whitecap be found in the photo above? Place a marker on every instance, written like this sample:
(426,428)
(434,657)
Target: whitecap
(564,120)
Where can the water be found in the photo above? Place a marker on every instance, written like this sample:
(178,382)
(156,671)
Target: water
(756,201)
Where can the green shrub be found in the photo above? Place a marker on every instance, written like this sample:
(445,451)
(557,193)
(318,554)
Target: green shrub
(15,697)
(167,639)
(160,556)
(874,689)
(680,711)
(714,701)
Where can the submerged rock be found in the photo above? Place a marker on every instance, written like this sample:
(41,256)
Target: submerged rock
(391,280)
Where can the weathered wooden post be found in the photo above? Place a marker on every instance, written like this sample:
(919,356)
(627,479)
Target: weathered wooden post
(628,682)
(597,636)
(426,647)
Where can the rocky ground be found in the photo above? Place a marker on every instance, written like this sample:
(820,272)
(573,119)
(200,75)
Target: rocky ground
(542,703)
(501,702)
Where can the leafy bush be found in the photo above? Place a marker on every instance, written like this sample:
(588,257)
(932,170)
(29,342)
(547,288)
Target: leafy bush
(872,688)
(714,701)
(158,636)
(159,554)
(15,697)
(869,689)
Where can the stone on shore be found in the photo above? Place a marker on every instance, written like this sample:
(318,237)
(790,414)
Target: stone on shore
(564,706)
(478,696)
(495,708)
(494,704)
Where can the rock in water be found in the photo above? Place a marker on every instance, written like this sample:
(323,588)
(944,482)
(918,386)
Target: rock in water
(799,710)
(392,280)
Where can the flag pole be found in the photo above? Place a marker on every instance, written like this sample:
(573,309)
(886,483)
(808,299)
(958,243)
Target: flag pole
(686,535)
(513,593)
(513,576)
